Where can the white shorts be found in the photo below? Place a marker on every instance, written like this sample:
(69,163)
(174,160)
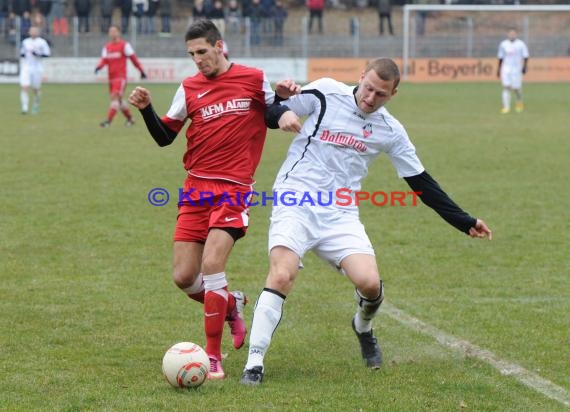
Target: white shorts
(30,77)
(331,233)
(511,78)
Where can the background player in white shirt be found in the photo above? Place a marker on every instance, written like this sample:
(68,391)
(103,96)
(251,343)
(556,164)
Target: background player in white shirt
(346,128)
(513,60)
(33,50)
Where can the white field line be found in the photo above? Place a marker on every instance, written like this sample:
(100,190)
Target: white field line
(532,380)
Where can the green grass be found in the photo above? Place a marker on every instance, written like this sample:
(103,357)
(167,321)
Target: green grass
(88,306)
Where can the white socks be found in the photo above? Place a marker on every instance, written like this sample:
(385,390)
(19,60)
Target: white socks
(24,100)
(196,287)
(360,324)
(37,96)
(216,283)
(266,318)
(366,310)
(506,99)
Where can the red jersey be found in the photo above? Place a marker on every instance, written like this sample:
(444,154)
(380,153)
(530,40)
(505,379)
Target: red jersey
(316,4)
(114,55)
(227,133)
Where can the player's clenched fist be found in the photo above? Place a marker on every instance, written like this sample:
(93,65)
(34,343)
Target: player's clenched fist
(287,88)
(289,122)
(140,98)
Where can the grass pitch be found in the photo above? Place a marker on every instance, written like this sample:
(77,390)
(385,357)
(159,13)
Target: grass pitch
(88,307)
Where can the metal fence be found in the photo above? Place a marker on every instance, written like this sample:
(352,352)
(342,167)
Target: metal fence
(349,34)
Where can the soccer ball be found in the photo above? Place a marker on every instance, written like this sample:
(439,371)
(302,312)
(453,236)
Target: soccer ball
(185,365)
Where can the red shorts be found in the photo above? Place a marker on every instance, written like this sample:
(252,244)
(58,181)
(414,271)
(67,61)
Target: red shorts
(117,86)
(208,203)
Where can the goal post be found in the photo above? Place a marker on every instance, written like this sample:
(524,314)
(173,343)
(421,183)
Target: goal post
(431,30)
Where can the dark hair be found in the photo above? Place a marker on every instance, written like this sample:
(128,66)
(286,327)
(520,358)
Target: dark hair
(203,28)
(386,69)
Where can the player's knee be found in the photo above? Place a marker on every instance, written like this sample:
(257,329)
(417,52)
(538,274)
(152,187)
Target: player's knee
(370,303)
(184,277)
(281,279)
(212,264)
(370,288)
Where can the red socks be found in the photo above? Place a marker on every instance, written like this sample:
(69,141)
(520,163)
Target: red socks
(111,114)
(126,112)
(215,310)
(212,291)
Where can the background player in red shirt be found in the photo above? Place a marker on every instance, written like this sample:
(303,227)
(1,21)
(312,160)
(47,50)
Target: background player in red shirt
(114,56)
(226,104)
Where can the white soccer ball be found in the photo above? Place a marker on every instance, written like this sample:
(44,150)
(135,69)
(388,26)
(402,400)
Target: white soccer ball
(185,365)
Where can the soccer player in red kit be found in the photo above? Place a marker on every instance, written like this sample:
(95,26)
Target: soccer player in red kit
(114,55)
(226,104)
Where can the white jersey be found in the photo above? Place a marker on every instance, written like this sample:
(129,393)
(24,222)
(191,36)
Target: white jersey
(34,45)
(338,141)
(513,54)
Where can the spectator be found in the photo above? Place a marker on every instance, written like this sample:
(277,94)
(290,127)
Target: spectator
(279,16)
(11,31)
(218,17)
(39,21)
(25,25)
(233,17)
(126,9)
(140,8)
(165,13)
(245,8)
(255,16)
(107,7)
(44,7)
(60,26)
(3,15)
(199,10)
(316,8)
(152,9)
(82,10)
(267,7)
(385,13)
(421,16)
(18,7)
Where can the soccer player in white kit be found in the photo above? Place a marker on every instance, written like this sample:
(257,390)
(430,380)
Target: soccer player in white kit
(33,50)
(513,61)
(346,128)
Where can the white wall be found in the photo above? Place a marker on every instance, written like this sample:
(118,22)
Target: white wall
(81,70)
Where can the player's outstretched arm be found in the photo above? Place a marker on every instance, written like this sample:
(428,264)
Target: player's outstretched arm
(102,63)
(432,195)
